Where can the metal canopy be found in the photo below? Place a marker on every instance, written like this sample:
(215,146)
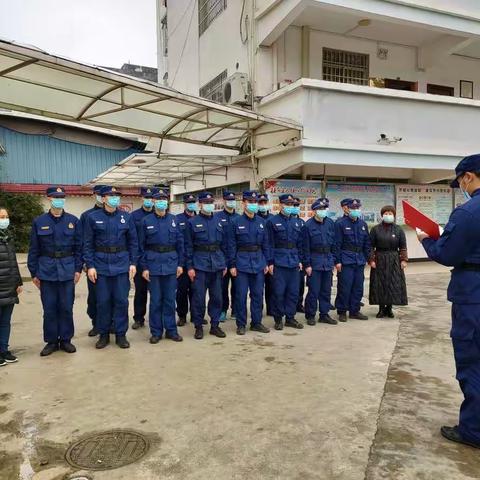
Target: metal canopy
(35,82)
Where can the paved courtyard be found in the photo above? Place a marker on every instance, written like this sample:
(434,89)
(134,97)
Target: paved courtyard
(361,400)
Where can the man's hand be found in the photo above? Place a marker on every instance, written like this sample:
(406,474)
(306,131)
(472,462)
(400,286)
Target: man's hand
(233,272)
(19,290)
(373,264)
(179,271)
(92,274)
(191,274)
(338,266)
(36,282)
(146,275)
(133,271)
(300,266)
(265,270)
(76,278)
(308,271)
(403,264)
(224,272)
(270,269)
(421,235)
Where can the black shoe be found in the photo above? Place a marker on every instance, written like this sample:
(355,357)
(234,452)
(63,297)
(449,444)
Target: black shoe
(342,317)
(278,324)
(389,312)
(198,333)
(381,313)
(182,321)
(259,327)
(48,349)
(136,325)
(103,341)
(154,339)
(327,319)
(93,332)
(8,357)
(174,336)
(358,316)
(452,433)
(67,347)
(300,309)
(293,324)
(241,330)
(217,331)
(311,321)
(121,341)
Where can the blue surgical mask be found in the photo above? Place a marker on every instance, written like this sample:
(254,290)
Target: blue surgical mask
(231,203)
(4,223)
(208,207)
(465,193)
(263,208)
(113,202)
(288,210)
(388,218)
(98,198)
(355,213)
(147,202)
(322,213)
(57,203)
(252,207)
(296,211)
(161,204)
(192,207)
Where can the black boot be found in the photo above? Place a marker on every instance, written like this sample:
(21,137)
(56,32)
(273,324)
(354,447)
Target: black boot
(293,323)
(48,349)
(103,341)
(122,342)
(136,324)
(278,324)
(381,312)
(259,327)
(389,312)
(181,321)
(198,333)
(358,316)
(93,332)
(67,347)
(342,316)
(217,331)
(311,321)
(327,319)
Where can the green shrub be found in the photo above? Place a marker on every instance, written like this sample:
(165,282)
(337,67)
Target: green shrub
(22,209)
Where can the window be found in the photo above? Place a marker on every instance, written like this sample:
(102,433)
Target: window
(440,90)
(164,33)
(213,90)
(208,10)
(345,67)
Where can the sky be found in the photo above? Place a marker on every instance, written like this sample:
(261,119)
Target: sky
(100,32)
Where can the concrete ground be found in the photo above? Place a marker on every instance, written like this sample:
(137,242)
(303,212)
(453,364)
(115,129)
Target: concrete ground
(361,400)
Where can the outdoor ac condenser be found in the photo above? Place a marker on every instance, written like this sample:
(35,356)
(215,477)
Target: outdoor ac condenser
(237,90)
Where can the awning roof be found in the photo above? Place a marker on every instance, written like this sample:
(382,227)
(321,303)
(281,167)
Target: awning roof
(35,82)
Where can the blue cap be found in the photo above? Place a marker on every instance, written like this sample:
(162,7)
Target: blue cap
(320,203)
(97,188)
(354,203)
(160,193)
(468,164)
(251,195)
(56,192)
(227,195)
(205,197)
(147,192)
(262,197)
(345,202)
(189,198)
(286,198)
(109,190)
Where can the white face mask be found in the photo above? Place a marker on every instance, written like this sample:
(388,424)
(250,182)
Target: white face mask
(388,218)
(4,223)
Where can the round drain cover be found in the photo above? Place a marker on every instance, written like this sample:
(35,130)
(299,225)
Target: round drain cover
(107,450)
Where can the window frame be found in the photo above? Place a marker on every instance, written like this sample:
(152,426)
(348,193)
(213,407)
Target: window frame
(361,65)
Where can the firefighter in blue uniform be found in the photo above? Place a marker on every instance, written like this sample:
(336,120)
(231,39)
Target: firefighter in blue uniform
(55,264)
(111,253)
(301,273)
(353,242)
(319,251)
(161,253)
(226,216)
(264,212)
(284,232)
(184,284)
(459,247)
(141,285)
(248,249)
(91,298)
(205,249)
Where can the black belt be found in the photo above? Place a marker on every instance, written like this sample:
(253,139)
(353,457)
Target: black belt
(110,249)
(248,248)
(206,248)
(161,248)
(320,250)
(473,267)
(57,254)
(286,245)
(352,248)
(386,249)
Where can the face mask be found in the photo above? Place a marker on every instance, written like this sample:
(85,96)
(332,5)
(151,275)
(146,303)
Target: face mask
(252,207)
(288,210)
(231,203)
(263,208)
(208,207)
(113,202)
(147,202)
(357,213)
(388,218)
(161,204)
(465,193)
(4,223)
(322,213)
(295,210)
(57,203)
(98,198)
(191,207)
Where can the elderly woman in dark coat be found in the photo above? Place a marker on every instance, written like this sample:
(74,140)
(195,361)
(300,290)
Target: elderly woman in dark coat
(10,286)
(388,260)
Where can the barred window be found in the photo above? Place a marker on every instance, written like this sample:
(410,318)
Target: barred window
(213,90)
(345,67)
(208,10)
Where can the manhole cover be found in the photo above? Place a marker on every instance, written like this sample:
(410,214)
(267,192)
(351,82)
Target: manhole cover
(107,450)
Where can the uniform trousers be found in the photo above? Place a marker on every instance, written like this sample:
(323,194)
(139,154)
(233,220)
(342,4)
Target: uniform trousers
(350,288)
(204,282)
(243,283)
(285,292)
(319,292)
(162,304)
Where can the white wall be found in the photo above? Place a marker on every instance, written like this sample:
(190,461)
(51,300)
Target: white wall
(460,7)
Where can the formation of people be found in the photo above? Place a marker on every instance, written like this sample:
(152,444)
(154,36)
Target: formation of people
(179,261)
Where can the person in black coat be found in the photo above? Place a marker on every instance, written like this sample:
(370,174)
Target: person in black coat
(10,286)
(388,260)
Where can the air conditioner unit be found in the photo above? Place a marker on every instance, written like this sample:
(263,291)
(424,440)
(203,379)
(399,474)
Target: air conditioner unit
(237,90)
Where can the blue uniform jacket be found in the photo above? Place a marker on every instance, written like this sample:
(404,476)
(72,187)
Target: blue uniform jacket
(319,235)
(460,244)
(354,234)
(265,215)
(55,234)
(226,218)
(138,215)
(181,220)
(104,229)
(284,232)
(157,231)
(205,230)
(83,219)
(247,232)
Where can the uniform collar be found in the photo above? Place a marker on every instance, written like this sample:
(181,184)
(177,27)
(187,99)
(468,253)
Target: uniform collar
(54,217)
(248,218)
(476,192)
(228,213)
(110,213)
(160,216)
(205,215)
(189,214)
(147,211)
